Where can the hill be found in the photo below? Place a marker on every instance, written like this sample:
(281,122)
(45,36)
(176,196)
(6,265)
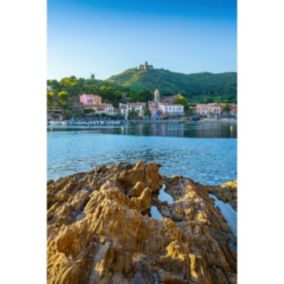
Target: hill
(198,87)
(138,84)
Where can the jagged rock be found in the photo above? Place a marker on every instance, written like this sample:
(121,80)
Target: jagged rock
(226,192)
(137,189)
(99,230)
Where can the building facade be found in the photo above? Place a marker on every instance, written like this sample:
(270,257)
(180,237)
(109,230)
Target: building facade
(171,109)
(212,109)
(138,107)
(106,109)
(160,106)
(90,99)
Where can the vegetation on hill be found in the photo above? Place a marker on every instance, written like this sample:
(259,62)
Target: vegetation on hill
(197,88)
(138,85)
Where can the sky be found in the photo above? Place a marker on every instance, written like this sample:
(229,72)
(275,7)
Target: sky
(105,37)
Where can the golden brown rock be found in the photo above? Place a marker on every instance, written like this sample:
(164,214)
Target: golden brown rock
(100,230)
(226,192)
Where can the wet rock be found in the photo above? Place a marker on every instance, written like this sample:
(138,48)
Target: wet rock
(100,231)
(227,192)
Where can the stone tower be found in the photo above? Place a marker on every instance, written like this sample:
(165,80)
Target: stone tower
(156,95)
(146,66)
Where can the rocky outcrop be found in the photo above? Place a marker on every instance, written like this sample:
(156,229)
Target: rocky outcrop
(226,192)
(100,230)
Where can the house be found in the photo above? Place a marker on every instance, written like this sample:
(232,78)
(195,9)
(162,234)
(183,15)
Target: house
(90,99)
(125,109)
(106,109)
(233,109)
(154,109)
(171,109)
(211,109)
(160,107)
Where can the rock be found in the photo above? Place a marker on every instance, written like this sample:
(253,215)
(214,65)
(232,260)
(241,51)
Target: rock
(227,192)
(99,230)
(137,189)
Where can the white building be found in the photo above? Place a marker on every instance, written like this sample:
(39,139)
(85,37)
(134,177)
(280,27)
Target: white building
(171,109)
(106,109)
(211,109)
(125,109)
(160,107)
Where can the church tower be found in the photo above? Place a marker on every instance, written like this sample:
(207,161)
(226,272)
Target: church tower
(156,95)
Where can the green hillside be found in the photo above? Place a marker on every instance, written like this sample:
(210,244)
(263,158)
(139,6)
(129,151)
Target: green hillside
(199,87)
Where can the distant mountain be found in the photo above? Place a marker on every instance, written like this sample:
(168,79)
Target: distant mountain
(198,87)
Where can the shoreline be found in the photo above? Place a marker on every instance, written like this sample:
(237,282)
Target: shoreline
(125,217)
(93,125)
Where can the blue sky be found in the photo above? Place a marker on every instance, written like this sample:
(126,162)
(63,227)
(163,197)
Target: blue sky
(105,37)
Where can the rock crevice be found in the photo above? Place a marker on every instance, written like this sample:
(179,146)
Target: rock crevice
(100,229)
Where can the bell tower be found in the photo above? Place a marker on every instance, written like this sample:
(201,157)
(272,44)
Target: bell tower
(156,95)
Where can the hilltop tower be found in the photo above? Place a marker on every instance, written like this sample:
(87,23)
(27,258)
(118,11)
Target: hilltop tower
(146,66)
(157,95)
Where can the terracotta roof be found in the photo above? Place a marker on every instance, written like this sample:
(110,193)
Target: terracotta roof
(166,104)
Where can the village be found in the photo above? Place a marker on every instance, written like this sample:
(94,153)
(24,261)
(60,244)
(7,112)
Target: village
(160,108)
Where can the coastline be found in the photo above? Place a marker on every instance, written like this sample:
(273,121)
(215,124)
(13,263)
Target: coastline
(96,124)
(125,222)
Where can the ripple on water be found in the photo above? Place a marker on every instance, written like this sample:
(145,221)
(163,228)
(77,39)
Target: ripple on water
(206,160)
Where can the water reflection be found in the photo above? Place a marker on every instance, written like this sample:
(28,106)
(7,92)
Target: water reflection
(228,212)
(197,129)
(193,129)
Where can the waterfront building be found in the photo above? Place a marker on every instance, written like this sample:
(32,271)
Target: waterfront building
(233,109)
(160,107)
(90,99)
(106,109)
(211,109)
(153,107)
(171,109)
(125,109)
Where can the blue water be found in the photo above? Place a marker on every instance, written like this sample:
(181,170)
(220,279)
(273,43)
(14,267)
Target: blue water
(155,213)
(164,196)
(206,160)
(228,212)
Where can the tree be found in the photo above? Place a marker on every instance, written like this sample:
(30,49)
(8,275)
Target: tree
(50,95)
(133,114)
(63,95)
(182,101)
(147,112)
(88,110)
(226,107)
